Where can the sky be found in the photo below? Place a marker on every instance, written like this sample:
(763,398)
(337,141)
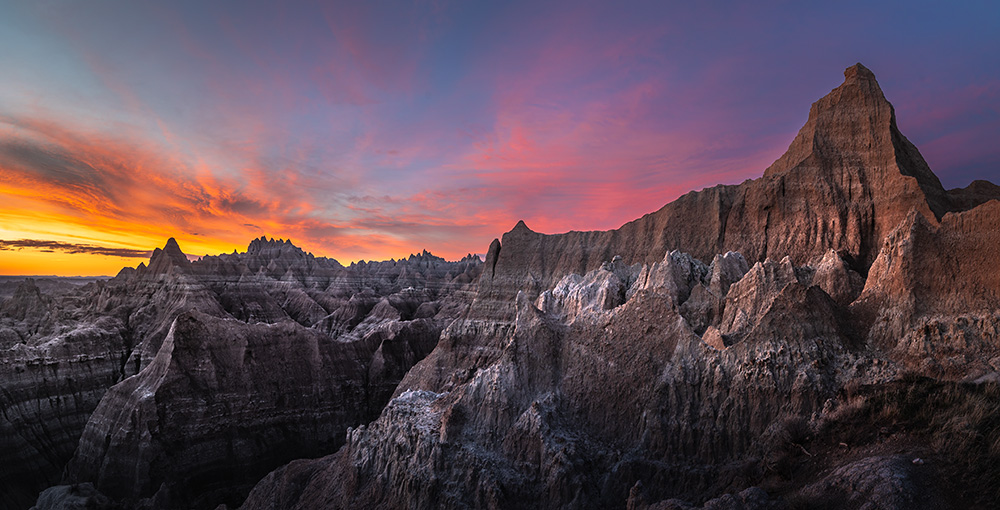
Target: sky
(372,130)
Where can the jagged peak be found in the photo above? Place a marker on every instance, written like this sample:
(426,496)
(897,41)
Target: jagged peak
(855,111)
(859,72)
(172,246)
(521,226)
(424,256)
(27,300)
(859,84)
(126,272)
(173,250)
(853,130)
(170,255)
(262,244)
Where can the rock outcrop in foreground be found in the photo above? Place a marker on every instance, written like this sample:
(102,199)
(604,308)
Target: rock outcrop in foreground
(827,335)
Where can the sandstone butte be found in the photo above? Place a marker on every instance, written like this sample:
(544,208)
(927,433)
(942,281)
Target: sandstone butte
(824,336)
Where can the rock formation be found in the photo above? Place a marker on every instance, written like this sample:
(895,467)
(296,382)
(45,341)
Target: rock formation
(826,335)
(616,369)
(72,361)
(848,178)
(269,393)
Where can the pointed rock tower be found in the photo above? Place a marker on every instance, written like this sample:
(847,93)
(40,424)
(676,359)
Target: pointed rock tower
(847,179)
(171,256)
(852,152)
(854,127)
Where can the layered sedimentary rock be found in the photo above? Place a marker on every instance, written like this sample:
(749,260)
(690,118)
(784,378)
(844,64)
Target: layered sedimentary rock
(220,403)
(605,385)
(51,384)
(848,178)
(827,334)
(62,352)
(933,294)
(751,346)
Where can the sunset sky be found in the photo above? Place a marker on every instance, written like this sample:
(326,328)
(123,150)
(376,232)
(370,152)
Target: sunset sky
(370,130)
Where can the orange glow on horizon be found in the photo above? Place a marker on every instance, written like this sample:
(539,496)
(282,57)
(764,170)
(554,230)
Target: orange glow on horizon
(116,195)
(102,192)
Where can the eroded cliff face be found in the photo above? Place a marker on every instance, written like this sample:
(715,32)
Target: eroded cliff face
(54,366)
(598,384)
(756,346)
(848,178)
(61,354)
(933,294)
(600,394)
(220,404)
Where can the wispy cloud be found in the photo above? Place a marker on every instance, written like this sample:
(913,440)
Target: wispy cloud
(376,130)
(86,181)
(71,248)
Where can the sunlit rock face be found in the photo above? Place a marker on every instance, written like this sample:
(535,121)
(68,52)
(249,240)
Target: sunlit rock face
(62,352)
(823,335)
(846,181)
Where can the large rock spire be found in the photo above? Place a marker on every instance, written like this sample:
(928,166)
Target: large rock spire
(847,179)
(853,129)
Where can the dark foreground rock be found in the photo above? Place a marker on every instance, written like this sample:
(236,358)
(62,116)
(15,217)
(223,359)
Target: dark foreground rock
(361,327)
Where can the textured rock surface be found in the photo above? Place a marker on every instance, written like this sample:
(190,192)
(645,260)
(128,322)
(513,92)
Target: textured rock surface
(609,370)
(846,181)
(882,482)
(933,294)
(221,403)
(55,365)
(790,342)
(578,406)
(63,348)
(69,349)
(73,497)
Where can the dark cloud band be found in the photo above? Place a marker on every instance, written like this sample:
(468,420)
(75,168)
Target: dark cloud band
(72,248)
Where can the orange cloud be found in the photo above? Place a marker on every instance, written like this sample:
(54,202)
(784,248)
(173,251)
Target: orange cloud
(359,138)
(62,186)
